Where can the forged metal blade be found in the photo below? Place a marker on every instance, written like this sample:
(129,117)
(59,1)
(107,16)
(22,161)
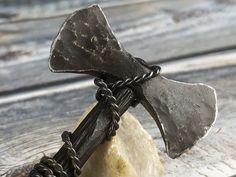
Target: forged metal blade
(86,44)
(183,112)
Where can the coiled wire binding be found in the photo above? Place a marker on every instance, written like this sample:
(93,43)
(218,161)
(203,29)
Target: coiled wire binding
(48,167)
(106,91)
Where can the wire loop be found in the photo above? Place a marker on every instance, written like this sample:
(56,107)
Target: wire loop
(106,91)
(48,167)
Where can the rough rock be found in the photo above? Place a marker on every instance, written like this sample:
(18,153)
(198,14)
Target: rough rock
(131,153)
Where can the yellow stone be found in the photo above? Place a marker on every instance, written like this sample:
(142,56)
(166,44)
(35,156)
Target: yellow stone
(131,153)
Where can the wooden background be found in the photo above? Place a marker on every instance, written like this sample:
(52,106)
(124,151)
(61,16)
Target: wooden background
(193,41)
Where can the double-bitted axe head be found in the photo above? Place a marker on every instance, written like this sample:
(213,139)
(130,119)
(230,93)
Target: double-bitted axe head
(86,44)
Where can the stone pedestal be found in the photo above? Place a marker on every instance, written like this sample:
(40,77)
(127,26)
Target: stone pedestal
(131,153)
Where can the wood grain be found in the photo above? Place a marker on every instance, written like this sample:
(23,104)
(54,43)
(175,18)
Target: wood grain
(34,130)
(156,31)
(56,82)
(193,41)
(15,10)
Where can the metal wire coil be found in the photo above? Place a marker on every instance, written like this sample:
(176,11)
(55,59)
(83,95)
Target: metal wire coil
(48,167)
(106,91)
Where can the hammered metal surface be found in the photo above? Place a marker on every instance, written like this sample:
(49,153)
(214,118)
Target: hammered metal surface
(183,112)
(86,44)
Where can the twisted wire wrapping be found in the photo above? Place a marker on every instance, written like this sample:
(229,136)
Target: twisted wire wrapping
(137,79)
(48,167)
(71,153)
(106,91)
(54,166)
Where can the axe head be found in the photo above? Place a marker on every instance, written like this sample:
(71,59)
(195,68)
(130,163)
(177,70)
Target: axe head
(85,44)
(183,112)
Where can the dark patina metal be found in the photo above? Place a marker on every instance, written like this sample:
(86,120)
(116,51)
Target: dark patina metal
(86,44)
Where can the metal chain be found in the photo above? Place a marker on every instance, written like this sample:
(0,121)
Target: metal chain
(106,91)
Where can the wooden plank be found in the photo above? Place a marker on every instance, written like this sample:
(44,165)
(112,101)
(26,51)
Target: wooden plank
(12,10)
(27,36)
(33,126)
(144,32)
(34,75)
(155,22)
(150,30)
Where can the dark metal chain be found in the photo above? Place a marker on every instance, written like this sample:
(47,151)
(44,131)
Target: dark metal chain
(106,91)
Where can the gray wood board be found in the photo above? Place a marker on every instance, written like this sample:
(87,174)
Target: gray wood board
(156,31)
(163,24)
(11,10)
(32,127)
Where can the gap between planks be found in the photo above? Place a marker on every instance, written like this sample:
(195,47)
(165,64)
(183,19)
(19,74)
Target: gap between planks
(191,64)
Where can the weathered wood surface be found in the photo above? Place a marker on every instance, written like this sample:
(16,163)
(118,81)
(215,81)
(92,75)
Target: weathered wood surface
(12,10)
(151,30)
(29,131)
(36,106)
